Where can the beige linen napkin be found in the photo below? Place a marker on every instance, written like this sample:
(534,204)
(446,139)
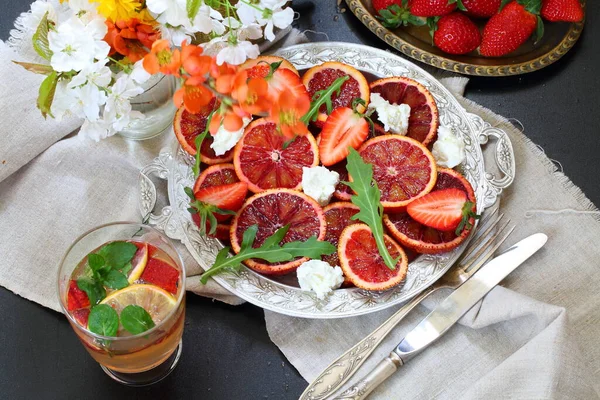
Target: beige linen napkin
(516,344)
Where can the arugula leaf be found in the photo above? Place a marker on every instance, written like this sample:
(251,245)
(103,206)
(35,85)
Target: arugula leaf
(115,279)
(270,251)
(40,38)
(136,320)
(103,320)
(117,254)
(368,199)
(94,290)
(198,143)
(323,97)
(46,94)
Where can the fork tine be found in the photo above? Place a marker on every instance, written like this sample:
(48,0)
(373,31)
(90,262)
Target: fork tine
(486,216)
(481,260)
(481,235)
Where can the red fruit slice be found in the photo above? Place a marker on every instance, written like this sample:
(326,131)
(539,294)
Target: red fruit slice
(441,210)
(187,125)
(208,156)
(261,160)
(321,77)
(161,274)
(342,129)
(338,216)
(342,191)
(424,120)
(221,233)
(76,298)
(260,66)
(424,239)
(138,263)
(215,175)
(226,197)
(81,316)
(271,210)
(402,167)
(362,264)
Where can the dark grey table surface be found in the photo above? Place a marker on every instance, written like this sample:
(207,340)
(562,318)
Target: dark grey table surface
(227,352)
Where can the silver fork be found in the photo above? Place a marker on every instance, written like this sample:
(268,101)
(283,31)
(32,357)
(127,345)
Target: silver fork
(481,248)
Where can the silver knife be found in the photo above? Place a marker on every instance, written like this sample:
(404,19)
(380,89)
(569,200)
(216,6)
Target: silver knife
(447,313)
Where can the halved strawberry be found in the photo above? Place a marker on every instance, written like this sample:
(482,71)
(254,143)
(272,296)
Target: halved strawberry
(343,128)
(76,298)
(216,203)
(444,210)
(81,316)
(161,274)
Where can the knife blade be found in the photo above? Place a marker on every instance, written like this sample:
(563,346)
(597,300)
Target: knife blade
(447,313)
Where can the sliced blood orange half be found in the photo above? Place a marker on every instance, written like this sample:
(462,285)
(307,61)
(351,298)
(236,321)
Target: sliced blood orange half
(260,66)
(424,119)
(208,156)
(261,160)
(363,265)
(320,77)
(215,175)
(342,191)
(271,210)
(338,217)
(424,239)
(402,167)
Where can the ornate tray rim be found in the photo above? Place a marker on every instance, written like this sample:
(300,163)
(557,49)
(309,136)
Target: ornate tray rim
(569,40)
(174,165)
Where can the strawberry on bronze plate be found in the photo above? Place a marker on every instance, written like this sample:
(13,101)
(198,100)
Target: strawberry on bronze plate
(416,42)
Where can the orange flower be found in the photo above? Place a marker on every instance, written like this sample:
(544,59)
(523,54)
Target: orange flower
(287,113)
(230,117)
(193,95)
(193,61)
(130,38)
(162,59)
(224,77)
(251,94)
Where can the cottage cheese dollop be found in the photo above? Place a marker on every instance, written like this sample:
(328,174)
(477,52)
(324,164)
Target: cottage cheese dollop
(319,183)
(448,151)
(225,140)
(320,277)
(394,117)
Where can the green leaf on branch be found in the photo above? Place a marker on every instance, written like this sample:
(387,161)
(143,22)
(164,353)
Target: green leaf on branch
(103,320)
(41,69)
(368,199)
(192,7)
(270,251)
(324,97)
(116,280)
(46,94)
(135,319)
(40,38)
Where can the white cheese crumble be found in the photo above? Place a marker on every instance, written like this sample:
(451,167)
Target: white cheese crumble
(320,277)
(319,183)
(394,117)
(448,151)
(225,140)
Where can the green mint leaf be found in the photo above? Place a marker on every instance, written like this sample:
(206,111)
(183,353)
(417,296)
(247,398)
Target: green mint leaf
(312,248)
(126,268)
(117,254)
(192,7)
(42,69)
(46,94)
(40,38)
(115,280)
(94,290)
(103,320)
(323,97)
(96,262)
(368,200)
(136,320)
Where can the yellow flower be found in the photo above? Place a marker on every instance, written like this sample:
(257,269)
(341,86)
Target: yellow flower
(121,10)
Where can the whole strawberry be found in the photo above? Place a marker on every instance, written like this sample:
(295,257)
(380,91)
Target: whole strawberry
(431,8)
(456,34)
(562,10)
(379,5)
(482,8)
(510,28)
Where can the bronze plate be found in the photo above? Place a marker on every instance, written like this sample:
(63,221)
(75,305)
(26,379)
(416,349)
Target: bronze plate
(415,42)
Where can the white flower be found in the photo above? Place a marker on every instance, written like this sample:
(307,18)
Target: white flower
(320,277)
(139,75)
(83,6)
(208,20)
(88,99)
(394,117)
(172,12)
(63,101)
(95,130)
(118,107)
(247,13)
(175,35)
(39,8)
(448,150)
(234,48)
(225,140)
(319,183)
(237,53)
(274,15)
(97,73)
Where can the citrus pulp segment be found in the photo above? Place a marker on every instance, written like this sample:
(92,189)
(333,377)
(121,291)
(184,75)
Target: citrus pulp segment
(156,301)
(215,175)
(188,126)
(342,191)
(363,265)
(262,159)
(402,167)
(423,122)
(138,263)
(272,210)
(427,240)
(338,216)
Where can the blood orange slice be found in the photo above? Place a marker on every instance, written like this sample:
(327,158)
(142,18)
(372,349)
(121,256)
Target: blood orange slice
(320,77)
(188,126)
(208,156)
(271,210)
(260,66)
(402,167)
(338,217)
(215,175)
(342,191)
(424,239)
(222,231)
(363,265)
(261,160)
(424,120)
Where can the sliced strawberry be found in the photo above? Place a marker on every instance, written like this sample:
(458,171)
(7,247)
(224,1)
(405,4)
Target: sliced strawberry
(226,197)
(343,128)
(161,274)
(81,316)
(442,209)
(76,298)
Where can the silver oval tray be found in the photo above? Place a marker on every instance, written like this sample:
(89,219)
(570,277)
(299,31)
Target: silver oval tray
(282,294)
